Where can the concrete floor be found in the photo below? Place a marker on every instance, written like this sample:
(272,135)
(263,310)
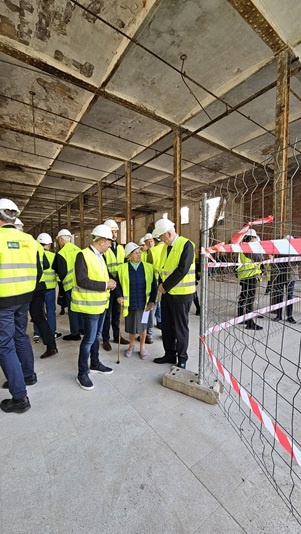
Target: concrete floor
(129,457)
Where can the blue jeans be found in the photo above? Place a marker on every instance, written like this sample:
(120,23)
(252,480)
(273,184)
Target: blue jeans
(16,356)
(75,319)
(89,346)
(49,299)
(158,312)
(113,311)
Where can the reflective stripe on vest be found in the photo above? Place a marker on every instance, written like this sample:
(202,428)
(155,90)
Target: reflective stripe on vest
(124,278)
(69,253)
(169,263)
(49,274)
(247,269)
(87,300)
(112,261)
(18,262)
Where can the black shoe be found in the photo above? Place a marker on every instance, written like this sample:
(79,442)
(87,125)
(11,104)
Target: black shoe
(197,312)
(85,382)
(101,369)
(291,320)
(254,327)
(62,312)
(82,331)
(277,319)
(57,334)
(166,359)
(107,346)
(260,316)
(48,353)
(29,381)
(158,325)
(182,365)
(71,337)
(14,405)
(148,340)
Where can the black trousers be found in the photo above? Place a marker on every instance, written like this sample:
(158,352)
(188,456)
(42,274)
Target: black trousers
(247,297)
(174,324)
(36,310)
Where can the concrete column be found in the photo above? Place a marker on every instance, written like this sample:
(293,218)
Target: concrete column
(177,179)
(281,142)
(128,174)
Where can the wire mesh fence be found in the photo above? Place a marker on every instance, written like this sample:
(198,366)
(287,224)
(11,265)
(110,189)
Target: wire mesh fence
(254,325)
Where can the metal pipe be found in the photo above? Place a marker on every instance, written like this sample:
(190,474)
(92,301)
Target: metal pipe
(203,287)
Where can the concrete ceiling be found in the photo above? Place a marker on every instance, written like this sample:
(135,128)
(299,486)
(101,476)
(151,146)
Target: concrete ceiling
(87,85)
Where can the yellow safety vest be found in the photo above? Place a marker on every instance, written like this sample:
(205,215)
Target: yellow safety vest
(144,255)
(49,274)
(112,261)
(124,278)
(247,269)
(156,255)
(87,300)
(18,262)
(69,253)
(169,263)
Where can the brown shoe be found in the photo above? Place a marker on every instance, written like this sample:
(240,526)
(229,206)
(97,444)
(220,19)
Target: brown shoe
(107,346)
(49,352)
(123,341)
(148,340)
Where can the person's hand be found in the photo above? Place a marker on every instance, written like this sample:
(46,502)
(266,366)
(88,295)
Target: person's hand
(120,301)
(111,284)
(161,289)
(149,306)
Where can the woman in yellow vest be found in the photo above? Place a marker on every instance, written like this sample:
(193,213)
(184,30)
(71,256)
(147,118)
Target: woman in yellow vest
(136,291)
(90,297)
(248,273)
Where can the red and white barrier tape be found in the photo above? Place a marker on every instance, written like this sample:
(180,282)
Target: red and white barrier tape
(288,259)
(250,315)
(256,409)
(237,238)
(289,247)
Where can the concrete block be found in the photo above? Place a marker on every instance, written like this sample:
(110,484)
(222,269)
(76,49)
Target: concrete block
(186,382)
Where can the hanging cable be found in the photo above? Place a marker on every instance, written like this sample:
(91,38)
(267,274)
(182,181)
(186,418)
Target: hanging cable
(183,57)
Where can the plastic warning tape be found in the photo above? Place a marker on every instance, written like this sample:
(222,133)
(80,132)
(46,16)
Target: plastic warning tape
(250,315)
(288,259)
(255,408)
(288,247)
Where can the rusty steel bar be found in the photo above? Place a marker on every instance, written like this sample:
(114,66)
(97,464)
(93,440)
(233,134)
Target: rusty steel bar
(81,220)
(177,179)
(99,196)
(128,174)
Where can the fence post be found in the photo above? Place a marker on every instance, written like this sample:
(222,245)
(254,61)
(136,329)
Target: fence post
(203,287)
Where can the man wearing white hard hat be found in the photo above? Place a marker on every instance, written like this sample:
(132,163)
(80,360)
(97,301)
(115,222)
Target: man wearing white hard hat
(64,267)
(20,270)
(248,273)
(90,297)
(50,280)
(177,287)
(114,257)
(283,278)
(18,224)
(136,291)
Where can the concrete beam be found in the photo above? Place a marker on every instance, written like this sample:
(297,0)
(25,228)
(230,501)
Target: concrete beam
(186,382)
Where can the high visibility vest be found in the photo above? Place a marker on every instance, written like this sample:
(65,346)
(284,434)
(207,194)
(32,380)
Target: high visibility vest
(87,300)
(169,263)
(113,261)
(156,255)
(144,255)
(124,278)
(49,274)
(247,269)
(18,262)
(69,252)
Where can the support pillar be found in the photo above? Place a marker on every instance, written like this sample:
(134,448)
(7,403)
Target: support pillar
(69,216)
(177,179)
(128,174)
(281,144)
(81,221)
(99,195)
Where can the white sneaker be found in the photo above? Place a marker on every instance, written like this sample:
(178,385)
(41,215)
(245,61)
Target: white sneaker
(36,339)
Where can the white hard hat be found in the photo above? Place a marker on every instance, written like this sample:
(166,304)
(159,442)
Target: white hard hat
(148,236)
(44,239)
(6,204)
(18,224)
(141,241)
(64,232)
(251,232)
(130,247)
(155,234)
(111,224)
(162,226)
(102,230)
(289,237)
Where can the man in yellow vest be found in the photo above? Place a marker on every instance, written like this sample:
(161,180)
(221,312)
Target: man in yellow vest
(114,256)
(177,274)
(51,282)
(64,267)
(20,270)
(248,273)
(90,297)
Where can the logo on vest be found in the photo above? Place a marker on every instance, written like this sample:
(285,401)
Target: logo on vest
(13,244)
